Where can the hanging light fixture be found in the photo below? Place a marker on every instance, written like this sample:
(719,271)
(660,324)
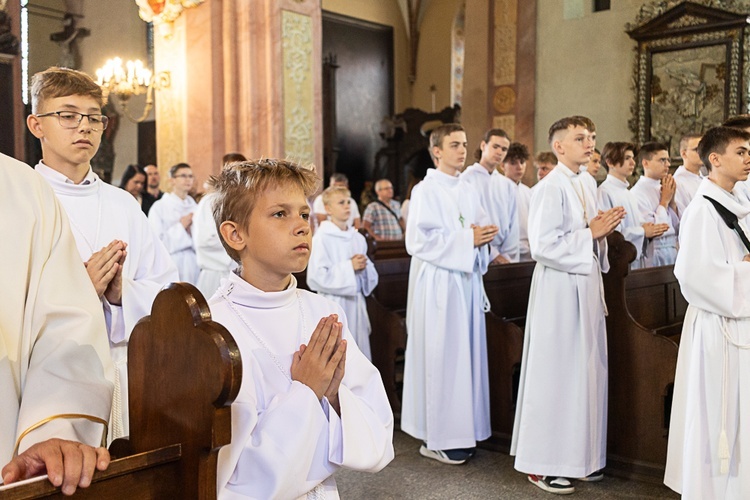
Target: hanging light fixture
(123,82)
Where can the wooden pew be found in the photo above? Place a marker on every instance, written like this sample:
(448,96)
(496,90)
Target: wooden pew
(507,287)
(645,316)
(184,372)
(386,307)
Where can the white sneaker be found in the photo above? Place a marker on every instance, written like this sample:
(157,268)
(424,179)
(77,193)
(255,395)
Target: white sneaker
(552,484)
(451,457)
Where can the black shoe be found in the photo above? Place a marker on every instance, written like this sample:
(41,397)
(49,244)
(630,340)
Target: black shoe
(552,484)
(594,477)
(452,457)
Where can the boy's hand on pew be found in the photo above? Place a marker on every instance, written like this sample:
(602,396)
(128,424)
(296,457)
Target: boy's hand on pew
(103,265)
(499,260)
(315,364)
(605,222)
(483,234)
(67,463)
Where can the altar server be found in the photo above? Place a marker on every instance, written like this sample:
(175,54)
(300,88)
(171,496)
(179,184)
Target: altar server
(688,175)
(561,414)
(309,402)
(172,219)
(709,432)
(339,268)
(446,389)
(125,260)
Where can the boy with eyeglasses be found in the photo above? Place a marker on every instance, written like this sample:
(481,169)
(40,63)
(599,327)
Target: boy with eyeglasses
(655,192)
(126,262)
(172,219)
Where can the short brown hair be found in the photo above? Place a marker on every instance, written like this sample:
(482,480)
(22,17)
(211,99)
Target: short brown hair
(564,124)
(739,121)
(590,125)
(439,133)
(61,82)
(650,148)
(239,185)
(716,140)
(179,166)
(517,151)
(231,158)
(332,191)
(546,157)
(614,153)
(686,138)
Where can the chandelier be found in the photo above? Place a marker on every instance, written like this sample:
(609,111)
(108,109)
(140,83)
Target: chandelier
(132,79)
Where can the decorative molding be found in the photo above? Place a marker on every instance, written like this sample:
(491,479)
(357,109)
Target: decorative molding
(505,122)
(164,12)
(685,21)
(504,40)
(504,99)
(654,9)
(297,47)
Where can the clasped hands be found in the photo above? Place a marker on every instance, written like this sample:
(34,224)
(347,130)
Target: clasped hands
(105,271)
(320,364)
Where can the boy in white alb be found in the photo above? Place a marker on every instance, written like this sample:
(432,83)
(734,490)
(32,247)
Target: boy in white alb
(214,262)
(497,195)
(688,175)
(655,192)
(172,219)
(708,432)
(560,428)
(319,210)
(613,192)
(514,165)
(446,387)
(309,402)
(339,268)
(125,260)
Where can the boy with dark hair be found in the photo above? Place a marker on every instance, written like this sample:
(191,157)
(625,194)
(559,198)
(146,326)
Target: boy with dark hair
(339,268)
(613,192)
(544,162)
(560,428)
(310,402)
(497,194)
(514,165)
(172,219)
(707,437)
(446,386)
(125,261)
(655,192)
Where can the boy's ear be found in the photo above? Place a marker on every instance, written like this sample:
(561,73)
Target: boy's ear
(557,147)
(232,236)
(435,151)
(714,159)
(35,126)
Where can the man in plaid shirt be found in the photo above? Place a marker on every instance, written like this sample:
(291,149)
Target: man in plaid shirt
(382,217)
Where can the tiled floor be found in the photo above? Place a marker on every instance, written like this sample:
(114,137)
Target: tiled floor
(488,475)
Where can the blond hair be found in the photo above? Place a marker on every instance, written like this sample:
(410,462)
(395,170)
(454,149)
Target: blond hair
(61,82)
(332,191)
(239,185)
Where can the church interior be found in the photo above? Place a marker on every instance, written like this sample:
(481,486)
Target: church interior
(354,87)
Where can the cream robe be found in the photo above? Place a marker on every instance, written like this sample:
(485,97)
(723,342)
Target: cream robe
(285,442)
(523,195)
(164,216)
(213,260)
(446,388)
(687,185)
(100,213)
(662,250)
(330,273)
(561,415)
(716,283)
(497,195)
(614,193)
(54,357)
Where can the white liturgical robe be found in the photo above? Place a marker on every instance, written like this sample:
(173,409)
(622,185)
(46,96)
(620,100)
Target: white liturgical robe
(497,196)
(285,442)
(662,250)
(213,260)
(330,273)
(687,185)
(164,216)
(712,382)
(54,357)
(446,385)
(100,213)
(524,200)
(614,193)
(561,416)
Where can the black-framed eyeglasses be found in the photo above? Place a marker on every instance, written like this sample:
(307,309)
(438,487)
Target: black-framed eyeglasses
(72,119)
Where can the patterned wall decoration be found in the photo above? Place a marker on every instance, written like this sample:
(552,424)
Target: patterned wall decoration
(457,63)
(504,72)
(297,49)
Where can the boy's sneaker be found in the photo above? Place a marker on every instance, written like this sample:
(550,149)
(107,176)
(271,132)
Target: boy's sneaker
(594,477)
(552,484)
(451,457)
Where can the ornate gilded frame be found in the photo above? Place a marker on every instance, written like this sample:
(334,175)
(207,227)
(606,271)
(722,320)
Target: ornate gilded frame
(694,38)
